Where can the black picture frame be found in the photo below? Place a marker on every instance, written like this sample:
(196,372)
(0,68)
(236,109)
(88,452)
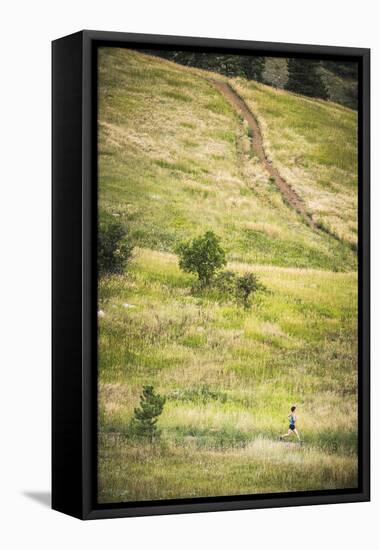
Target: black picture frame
(74,319)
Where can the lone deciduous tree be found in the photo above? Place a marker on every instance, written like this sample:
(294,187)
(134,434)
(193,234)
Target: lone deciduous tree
(146,415)
(203,256)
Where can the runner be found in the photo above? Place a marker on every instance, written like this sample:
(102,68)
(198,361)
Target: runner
(292,427)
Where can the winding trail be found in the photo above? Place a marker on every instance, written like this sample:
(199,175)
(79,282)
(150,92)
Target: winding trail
(290,196)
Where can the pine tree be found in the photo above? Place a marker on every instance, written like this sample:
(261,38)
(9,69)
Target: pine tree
(146,415)
(304,78)
(253,67)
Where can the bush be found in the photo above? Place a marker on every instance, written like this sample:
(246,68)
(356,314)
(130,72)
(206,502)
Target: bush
(203,256)
(146,415)
(241,288)
(113,246)
(246,285)
(225,282)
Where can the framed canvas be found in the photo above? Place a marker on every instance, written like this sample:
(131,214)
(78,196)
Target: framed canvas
(210,275)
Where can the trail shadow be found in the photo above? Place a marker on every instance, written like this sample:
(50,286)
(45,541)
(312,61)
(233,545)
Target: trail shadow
(42,497)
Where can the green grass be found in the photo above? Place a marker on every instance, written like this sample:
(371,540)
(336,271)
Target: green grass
(175,161)
(141,472)
(229,374)
(314,145)
(167,189)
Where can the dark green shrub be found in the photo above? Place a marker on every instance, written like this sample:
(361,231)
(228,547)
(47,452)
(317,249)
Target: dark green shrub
(203,256)
(146,415)
(240,288)
(246,285)
(114,248)
(225,282)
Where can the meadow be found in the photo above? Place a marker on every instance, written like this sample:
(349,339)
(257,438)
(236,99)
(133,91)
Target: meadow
(174,161)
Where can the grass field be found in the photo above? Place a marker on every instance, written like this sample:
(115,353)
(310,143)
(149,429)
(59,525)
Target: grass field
(314,145)
(174,161)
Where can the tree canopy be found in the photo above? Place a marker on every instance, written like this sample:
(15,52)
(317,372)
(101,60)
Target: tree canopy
(304,78)
(203,256)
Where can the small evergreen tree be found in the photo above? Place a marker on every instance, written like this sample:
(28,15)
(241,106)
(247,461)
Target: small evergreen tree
(304,78)
(203,256)
(245,286)
(146,415)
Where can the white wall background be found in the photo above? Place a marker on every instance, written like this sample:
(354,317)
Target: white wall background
(27,29)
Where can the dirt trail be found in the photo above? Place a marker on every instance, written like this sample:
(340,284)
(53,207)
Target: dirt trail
(290,196)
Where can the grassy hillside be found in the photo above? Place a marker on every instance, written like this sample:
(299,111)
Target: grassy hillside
(314,145)
(168,140)
(174,161)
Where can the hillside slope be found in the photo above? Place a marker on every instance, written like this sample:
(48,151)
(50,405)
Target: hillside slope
(175,140)
(314,145)
(175,160)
